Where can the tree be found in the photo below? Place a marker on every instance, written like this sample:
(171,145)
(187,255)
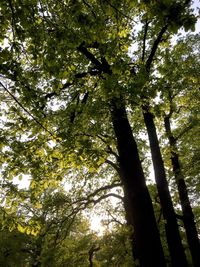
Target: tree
(175,100)
(172,232)
(67,68)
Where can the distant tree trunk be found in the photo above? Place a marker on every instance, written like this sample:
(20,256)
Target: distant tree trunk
(146,244)
(176,249)
(91,252)
(188,216)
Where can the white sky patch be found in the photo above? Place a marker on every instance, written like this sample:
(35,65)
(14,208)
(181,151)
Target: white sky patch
(151,173)
(51,143)
(96,225)
(22,183)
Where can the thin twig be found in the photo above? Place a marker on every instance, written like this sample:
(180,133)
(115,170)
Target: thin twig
(144,39)
(119,11)
(26,110)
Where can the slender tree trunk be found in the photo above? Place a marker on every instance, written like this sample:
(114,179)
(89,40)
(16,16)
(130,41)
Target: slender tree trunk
(146,244)
(91,252)
(188,216)
(176,249)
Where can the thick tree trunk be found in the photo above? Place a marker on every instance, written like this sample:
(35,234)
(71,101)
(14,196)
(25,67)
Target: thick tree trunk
(176,249)
(146,244)
(188,216)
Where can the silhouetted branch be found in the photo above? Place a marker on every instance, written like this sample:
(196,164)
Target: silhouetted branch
(68,84)
(114,165)
(144,39)
(101,66)
(154,47)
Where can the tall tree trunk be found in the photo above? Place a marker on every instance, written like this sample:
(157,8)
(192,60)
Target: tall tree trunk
(146,244)
(176,249)
(188,216)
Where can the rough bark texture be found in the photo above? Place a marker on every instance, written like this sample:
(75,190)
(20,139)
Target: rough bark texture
(188,216)
(175,246)
(146,243)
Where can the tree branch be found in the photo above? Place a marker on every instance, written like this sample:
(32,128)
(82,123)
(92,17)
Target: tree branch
(144,39)
(114,165)
(89,56)
(119,11)
(84,202)
(83,205)
(109,149)
(101,66)
(13,22)
(154,48)
(68,84)
(114,219)
(106,196)
(106,187)
(26,110)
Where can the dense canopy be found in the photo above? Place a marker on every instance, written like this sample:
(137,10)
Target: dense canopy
(92,92)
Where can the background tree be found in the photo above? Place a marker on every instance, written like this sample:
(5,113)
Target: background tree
(183,91)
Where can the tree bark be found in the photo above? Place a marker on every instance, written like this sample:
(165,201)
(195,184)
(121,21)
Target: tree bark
(146,244)
(188,216)
(175,246)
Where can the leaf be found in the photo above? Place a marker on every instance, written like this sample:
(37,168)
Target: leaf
(20,177)
(21,228)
